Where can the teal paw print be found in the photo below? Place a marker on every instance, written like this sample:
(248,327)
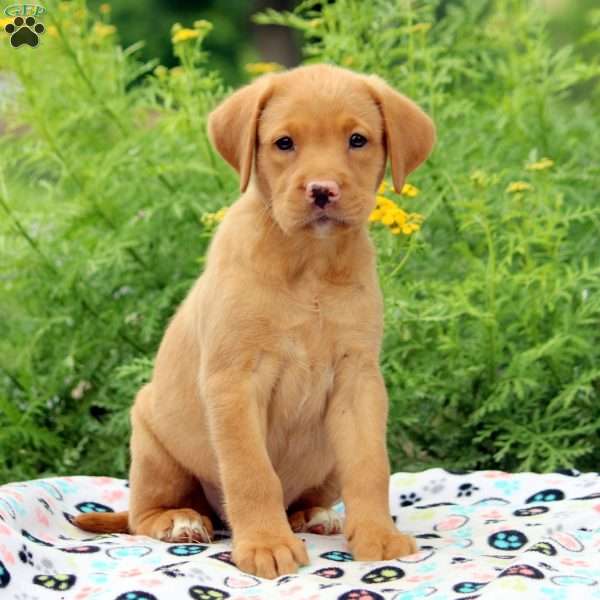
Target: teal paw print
(551,495)
(507,540)
(554,593)
(337,555)
(508,487)
(467,587)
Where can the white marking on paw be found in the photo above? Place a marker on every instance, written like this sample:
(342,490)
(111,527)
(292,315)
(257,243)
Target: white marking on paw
(329,519)
(188,530)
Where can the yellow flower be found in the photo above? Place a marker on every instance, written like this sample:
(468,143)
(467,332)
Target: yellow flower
(212,219)
(105,8)
(175,27)
(184,34)
(409,190)
(383,202)
(375,216)
(395,218)
(52,31)
(518,186)
(540,165)
(260,68)
(4,22)
(102,30)
(384,187)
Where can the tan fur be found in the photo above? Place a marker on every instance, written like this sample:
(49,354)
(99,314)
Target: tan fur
(267,394)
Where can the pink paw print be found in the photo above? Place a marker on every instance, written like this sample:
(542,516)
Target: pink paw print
(41,517)
(113,495)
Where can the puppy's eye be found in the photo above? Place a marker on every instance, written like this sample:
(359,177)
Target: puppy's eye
(285,143)
(357,141)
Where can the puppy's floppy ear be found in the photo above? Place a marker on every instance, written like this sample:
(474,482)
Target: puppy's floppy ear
(409,132)
(233,126)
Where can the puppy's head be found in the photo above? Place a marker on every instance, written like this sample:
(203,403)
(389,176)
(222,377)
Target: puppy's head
(315,141)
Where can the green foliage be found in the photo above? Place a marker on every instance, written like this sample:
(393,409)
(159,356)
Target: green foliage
(105,172)
(492,349)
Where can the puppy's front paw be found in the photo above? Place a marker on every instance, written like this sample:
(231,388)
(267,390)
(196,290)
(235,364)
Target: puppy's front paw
(269,556)
(376,542)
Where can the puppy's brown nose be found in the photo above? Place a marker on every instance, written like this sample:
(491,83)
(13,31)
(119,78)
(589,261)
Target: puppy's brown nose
(322,192)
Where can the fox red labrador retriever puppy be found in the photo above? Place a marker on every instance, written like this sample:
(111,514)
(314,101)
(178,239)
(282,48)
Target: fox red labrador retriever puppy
(267,403)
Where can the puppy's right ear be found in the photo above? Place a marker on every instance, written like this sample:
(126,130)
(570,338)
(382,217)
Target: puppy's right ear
(233,126)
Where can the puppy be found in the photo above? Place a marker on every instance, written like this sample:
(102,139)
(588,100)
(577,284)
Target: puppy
(267,403)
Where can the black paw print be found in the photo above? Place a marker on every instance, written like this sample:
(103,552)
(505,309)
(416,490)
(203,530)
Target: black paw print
(466,489)
(24,31)
(409,499)
(26,556)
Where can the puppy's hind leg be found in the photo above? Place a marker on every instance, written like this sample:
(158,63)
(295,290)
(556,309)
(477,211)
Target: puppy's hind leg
(313,512)
(166,502)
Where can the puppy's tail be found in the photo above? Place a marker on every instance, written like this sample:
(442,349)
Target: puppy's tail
(112,522)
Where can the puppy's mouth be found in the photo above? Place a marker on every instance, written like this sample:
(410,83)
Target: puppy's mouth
(323,219)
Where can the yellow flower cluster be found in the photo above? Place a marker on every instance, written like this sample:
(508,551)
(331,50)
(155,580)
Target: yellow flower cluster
(260,68)
(184,34)
(103,30)
(181,34)
(540,165)
(210,220)
(4,22)
(518,186)
(391,215)
(410,190)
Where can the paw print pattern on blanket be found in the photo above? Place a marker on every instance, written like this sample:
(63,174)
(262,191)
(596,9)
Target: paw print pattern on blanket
(522,571)
(383,575)
(510,540)
(200,592)
(60,583)
(92,507)
(546,496)
(466,489)
(186,549)
(466,587)
(360,595)
(409,499)
(507,540)
(4,575)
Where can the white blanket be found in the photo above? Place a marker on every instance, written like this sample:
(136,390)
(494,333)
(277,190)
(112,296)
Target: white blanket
(481,535)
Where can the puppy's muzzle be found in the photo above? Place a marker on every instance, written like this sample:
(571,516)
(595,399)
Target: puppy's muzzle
(321,193)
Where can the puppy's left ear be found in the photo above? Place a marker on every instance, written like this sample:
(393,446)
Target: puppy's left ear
(233,125)
(409,132)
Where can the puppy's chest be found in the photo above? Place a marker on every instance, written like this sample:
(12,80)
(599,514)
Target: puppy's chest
(308,350)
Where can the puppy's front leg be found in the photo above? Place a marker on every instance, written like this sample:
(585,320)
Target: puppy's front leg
(356,425)
(263,543)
